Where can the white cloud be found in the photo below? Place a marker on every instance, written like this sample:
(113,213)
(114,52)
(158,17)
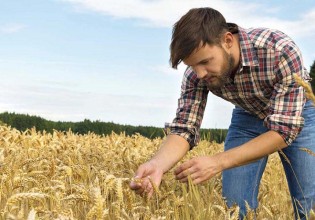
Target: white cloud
(159,13)
(11,28)
(164,13)
(304,26)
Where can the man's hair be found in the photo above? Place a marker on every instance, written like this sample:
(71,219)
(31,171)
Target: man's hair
(198,25)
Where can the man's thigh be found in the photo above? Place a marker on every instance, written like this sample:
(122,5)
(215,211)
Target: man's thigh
(241,184)
(299,164)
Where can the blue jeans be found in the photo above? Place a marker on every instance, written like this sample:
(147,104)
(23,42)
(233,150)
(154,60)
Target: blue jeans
(242,183)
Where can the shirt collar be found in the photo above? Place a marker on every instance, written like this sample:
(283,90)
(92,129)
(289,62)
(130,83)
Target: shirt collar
(248,54)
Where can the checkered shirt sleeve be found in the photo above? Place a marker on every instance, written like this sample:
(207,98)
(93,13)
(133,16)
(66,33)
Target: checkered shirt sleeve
(190,110)
(288,98)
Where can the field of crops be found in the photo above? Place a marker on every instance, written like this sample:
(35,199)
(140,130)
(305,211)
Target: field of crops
(70,176)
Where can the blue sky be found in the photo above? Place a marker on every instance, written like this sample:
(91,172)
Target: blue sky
(107,60)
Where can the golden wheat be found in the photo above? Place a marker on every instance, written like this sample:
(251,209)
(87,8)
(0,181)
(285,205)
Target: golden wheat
(308,89)
(69,176)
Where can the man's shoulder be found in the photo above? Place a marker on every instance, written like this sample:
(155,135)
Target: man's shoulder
(267,38)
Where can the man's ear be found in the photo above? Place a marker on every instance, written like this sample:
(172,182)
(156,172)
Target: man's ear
(228,40)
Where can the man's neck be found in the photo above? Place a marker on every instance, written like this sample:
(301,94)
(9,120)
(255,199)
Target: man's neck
(236,53)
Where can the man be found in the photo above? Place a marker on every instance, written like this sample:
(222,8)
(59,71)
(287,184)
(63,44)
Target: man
(253,69)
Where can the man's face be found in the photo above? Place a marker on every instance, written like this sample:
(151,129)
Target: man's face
(212,64)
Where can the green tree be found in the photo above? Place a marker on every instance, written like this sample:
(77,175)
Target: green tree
(312,74)
(23,122)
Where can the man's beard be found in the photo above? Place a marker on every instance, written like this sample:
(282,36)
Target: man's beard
(226,71)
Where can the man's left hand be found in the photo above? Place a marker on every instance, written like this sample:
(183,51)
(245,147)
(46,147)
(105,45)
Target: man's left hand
(199,169)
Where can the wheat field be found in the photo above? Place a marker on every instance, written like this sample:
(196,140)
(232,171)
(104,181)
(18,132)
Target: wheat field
(69,176)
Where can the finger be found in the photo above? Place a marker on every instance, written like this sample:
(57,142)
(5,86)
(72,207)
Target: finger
(183,167)
(185,179)
(134,185)
(139,187)
(182,175)
(150,193)
(148,188)
(198,180)
(194,178)
(145,189)
(185,173)
(199,177)
(145,185)
(139,191)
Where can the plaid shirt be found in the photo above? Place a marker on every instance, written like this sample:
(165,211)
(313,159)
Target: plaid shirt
(263,85)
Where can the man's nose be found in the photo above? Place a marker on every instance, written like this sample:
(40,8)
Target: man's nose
(201,73)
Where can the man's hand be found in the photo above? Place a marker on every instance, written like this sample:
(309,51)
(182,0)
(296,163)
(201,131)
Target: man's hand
(142,183)
(203,168)
(171,151)
(199,169)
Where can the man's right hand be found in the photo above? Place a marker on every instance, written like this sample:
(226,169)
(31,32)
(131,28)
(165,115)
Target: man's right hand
(141,182)
(171,151)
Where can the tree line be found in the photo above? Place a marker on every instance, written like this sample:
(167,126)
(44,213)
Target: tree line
(23,122)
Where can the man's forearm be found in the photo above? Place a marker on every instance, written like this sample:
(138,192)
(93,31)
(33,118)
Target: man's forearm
(255,149)
(172,150)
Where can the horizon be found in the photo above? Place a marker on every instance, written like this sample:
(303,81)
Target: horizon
(92,121)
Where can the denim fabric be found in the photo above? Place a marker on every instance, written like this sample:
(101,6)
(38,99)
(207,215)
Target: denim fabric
(242,183)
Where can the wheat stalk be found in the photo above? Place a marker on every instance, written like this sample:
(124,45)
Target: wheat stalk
(308,89)
(308,151)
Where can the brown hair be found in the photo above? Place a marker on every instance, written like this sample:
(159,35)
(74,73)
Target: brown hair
(198,25)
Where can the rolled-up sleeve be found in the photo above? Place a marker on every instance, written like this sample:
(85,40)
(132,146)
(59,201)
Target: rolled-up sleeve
(288,98)
(190,110)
